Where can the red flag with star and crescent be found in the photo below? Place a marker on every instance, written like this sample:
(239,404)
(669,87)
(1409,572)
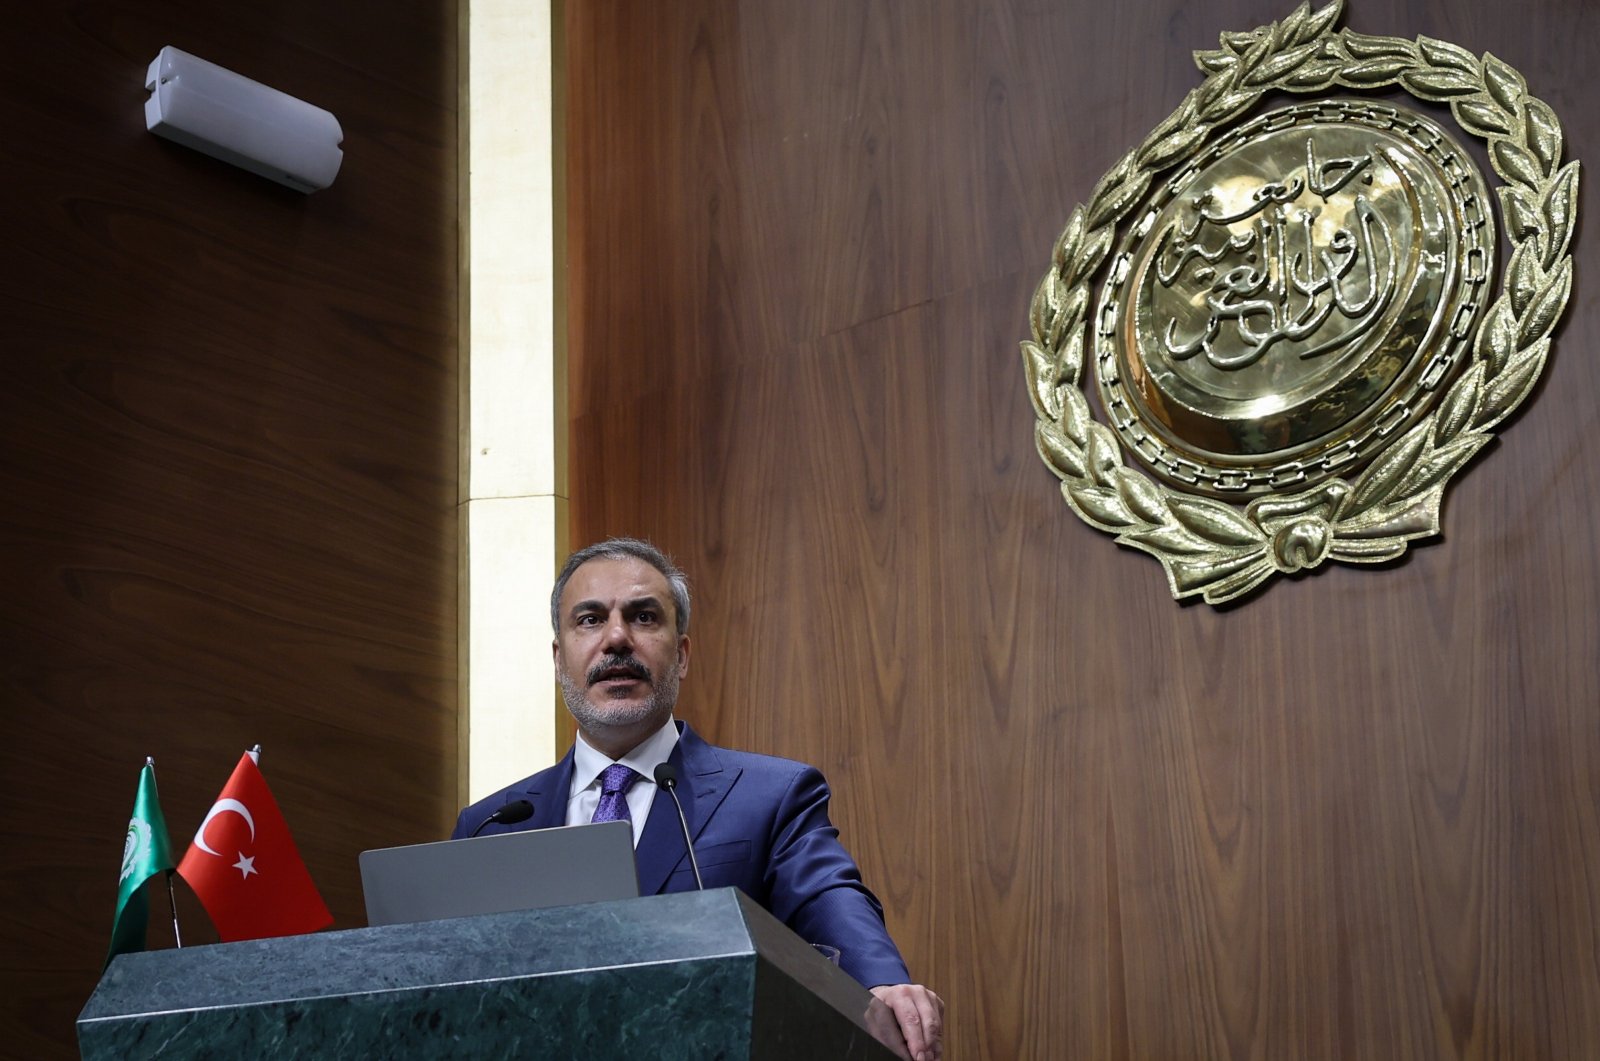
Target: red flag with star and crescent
(244,866)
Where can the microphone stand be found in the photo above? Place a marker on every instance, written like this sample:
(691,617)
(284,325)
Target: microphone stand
(667,778)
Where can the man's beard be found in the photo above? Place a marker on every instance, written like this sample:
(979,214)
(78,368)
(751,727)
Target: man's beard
(605,715)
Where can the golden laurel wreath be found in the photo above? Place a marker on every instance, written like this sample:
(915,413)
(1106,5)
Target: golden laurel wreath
(1218,550)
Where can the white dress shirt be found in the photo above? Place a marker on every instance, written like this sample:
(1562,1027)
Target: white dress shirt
(588,764)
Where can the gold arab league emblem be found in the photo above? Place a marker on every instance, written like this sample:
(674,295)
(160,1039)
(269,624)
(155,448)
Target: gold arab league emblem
(1296,341)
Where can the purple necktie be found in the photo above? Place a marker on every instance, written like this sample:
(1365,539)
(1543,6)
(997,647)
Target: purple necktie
(614,782)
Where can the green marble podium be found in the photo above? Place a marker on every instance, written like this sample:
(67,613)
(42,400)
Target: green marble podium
(694,975)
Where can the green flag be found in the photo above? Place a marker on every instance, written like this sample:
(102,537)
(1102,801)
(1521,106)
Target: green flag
(145,852)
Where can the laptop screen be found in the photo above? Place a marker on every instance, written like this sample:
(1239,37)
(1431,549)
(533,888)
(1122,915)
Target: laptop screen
(499,873)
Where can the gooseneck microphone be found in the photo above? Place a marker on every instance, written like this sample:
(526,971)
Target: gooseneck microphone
(516,811)
(667,778)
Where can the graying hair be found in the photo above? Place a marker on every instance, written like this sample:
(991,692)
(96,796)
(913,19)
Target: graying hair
(625,549)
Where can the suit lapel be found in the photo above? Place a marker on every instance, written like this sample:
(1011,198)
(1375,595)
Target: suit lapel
(703,785)
(548,791)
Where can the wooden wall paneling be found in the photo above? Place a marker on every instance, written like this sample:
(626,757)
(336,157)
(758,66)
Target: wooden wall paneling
(1355,816)
(228,422)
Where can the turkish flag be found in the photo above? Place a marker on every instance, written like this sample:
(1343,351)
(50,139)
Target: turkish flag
(245,868)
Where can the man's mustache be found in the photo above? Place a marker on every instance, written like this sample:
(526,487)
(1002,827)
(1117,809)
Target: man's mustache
(619,667)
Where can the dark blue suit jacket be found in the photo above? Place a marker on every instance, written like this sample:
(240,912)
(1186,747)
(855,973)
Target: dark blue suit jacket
(759,824)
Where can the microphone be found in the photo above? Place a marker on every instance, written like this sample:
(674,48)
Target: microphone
(667,778)
(516,811)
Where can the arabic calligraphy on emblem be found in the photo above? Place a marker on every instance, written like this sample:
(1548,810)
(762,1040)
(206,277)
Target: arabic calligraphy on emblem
(1281,303)
(1291,277)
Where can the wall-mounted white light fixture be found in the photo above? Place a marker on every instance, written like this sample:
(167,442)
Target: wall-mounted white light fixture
(228,116)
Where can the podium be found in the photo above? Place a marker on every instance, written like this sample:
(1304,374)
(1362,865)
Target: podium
(691,975)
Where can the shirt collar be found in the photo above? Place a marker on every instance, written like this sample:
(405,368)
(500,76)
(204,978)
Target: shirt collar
(588,763)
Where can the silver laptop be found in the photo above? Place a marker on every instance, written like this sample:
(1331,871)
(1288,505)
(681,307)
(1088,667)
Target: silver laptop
(498,873)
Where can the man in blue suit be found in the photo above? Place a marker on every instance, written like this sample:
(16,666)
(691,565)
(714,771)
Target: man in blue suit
(620,611)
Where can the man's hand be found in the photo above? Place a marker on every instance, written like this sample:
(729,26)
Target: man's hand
(920,1014)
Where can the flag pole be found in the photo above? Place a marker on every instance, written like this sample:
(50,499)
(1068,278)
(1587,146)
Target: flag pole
(172,902)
